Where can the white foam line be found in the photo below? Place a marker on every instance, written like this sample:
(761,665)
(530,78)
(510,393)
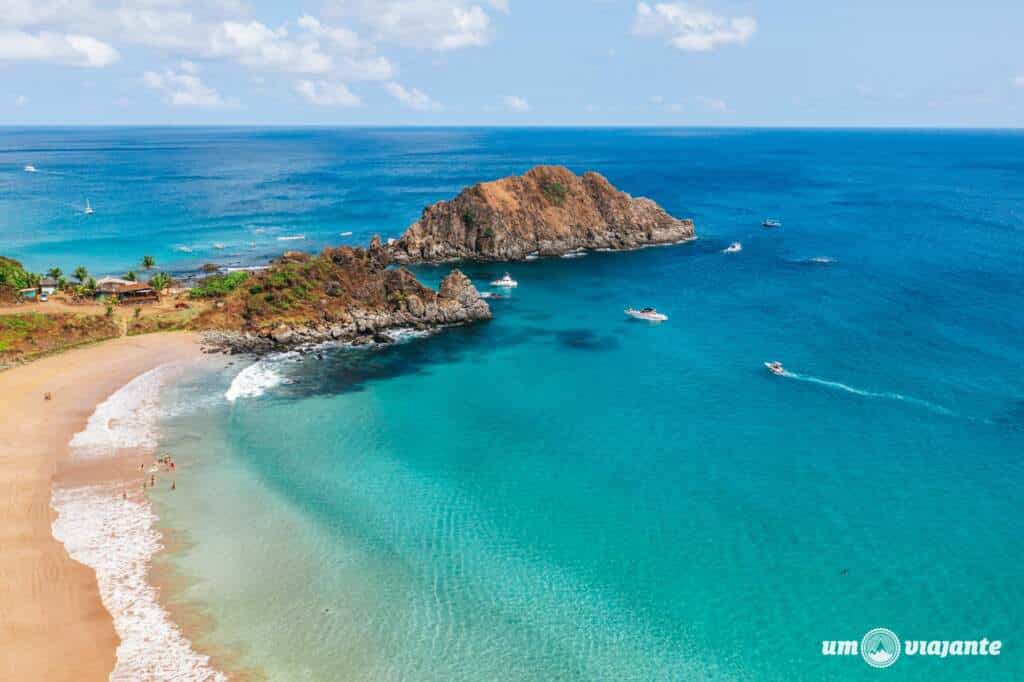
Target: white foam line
(117,539)
(128,418)
(870,394)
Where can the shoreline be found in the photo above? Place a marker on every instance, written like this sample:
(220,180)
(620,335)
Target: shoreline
(45,591)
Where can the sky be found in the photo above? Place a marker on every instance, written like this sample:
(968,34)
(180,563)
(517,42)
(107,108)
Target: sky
(513,62)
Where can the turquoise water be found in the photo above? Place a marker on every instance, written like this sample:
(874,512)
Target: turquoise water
(565,494)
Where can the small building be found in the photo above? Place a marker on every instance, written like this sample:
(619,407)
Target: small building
(47,285)
(125,290)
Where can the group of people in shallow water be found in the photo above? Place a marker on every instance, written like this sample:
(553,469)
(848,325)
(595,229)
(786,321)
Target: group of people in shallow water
(164,462)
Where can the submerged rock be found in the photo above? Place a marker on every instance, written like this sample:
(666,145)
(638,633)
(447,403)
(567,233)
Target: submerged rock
(549,211)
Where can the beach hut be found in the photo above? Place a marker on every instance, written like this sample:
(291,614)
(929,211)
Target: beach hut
(47,285)
(125,290)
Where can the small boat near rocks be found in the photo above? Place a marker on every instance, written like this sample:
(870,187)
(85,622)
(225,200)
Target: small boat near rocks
(506,282)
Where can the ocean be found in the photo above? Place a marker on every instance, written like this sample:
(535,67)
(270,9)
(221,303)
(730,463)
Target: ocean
(563,493)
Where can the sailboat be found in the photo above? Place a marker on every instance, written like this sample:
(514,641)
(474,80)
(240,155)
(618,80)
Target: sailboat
(88,208)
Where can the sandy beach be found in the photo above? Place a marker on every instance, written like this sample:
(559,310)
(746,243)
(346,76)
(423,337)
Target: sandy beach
(53,624)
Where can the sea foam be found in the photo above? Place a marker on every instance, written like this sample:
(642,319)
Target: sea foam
(128,418)
(259,377)
(116,538)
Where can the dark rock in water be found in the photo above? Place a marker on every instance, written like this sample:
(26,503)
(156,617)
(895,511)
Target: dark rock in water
(549,211)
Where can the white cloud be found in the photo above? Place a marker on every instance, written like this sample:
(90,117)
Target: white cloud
(183,88)
(431,24)
(57,48)
(365,69)
(691,29)
(412,98)
(339,35)
(713,104)
(326,94)
(515,103)
(255,44)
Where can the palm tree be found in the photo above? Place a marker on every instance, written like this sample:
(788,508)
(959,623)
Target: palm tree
(55,273)
(148,262)
(160,281)
(80,273)
(130,276)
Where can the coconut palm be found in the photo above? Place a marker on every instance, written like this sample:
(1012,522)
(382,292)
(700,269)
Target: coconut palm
(148,262)
(55,273)
(80,273)
(130,276)
(160,281)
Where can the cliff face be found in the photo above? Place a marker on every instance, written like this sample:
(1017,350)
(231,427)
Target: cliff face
(549,211)
(341,294)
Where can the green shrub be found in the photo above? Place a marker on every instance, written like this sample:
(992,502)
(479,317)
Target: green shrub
(217,286)
(555,192)
(468,219)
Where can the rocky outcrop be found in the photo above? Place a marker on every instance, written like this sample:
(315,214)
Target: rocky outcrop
(343,294)
(549,211)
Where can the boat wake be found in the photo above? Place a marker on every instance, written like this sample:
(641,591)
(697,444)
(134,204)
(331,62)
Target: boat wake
(938,409)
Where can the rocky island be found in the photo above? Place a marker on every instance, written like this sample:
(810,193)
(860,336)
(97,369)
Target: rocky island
(341,294)
(548,211)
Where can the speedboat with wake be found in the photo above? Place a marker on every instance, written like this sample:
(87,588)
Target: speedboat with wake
(775,367)
(88,208)
(506,281)
(735,247)
(771,222)
(31,169)
(649,314)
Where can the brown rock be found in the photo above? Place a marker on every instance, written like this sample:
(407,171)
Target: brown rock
(549,210)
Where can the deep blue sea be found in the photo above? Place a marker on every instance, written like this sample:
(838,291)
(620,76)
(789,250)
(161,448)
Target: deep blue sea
(563,493)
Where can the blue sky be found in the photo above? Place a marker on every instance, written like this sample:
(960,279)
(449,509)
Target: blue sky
(512,62)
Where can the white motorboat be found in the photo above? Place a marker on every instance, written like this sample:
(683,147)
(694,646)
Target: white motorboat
(219,246)
(771,222)
(31,169)
(505,281)
(735,247)
(347,233)
(649,314)
(775,367)
(88,209)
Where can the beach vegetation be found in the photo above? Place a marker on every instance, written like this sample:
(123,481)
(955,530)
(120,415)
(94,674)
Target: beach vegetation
(217,286)
(55,273)
(27,335)
(148,262)
(81,274)
(160,281)
(130,276)
(13,275)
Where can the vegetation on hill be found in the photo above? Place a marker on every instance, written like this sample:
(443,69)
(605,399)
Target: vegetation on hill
(27,335)
(13,277)
(218,286)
